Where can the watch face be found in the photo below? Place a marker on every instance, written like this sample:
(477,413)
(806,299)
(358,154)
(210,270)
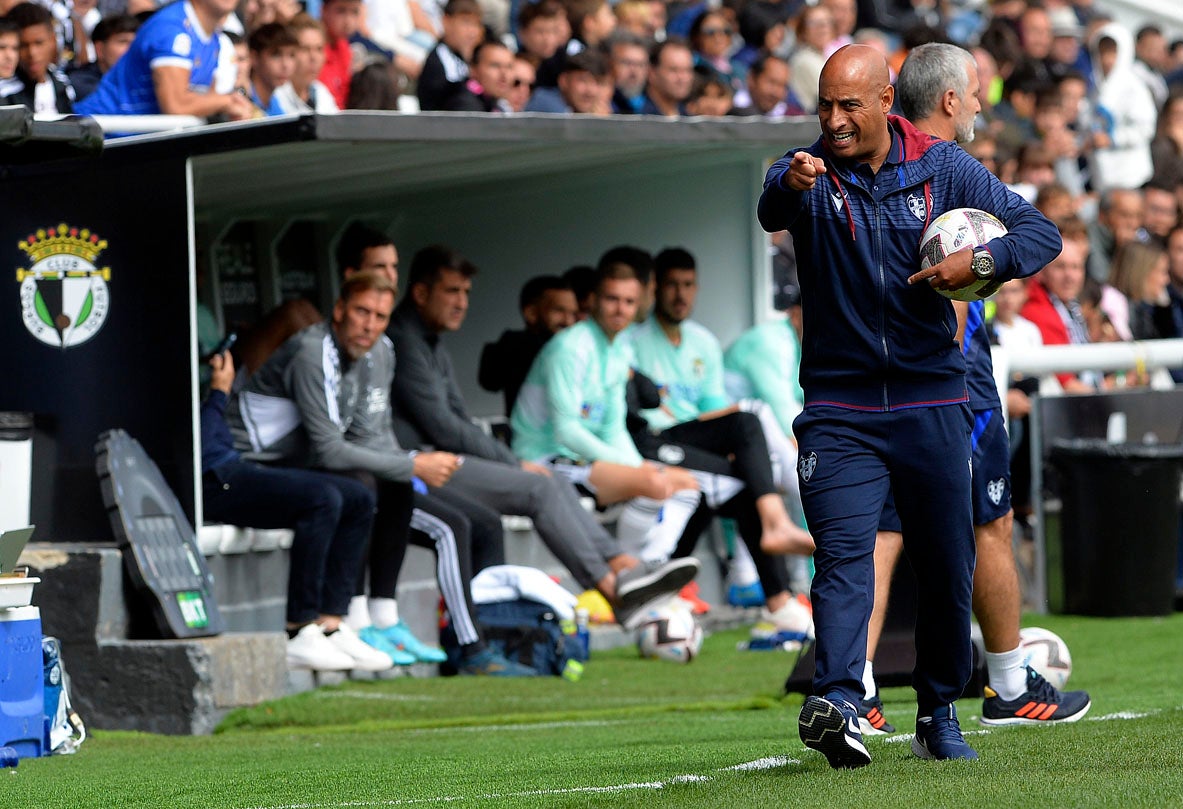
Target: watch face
(983,265)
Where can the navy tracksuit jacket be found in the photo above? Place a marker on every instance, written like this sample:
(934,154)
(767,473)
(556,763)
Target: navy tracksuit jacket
(885,391)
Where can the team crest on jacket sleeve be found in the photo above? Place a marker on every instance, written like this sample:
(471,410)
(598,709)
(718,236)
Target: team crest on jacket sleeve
(917,207)
(994,489)
(806,464)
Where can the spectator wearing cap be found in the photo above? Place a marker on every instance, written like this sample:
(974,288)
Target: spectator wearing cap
(671,78)
(585,86)
(1125,111)
(1067,51)
(446,69)
(629,55)
(111,37)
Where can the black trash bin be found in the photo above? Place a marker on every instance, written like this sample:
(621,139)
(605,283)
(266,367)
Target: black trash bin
(1119,526)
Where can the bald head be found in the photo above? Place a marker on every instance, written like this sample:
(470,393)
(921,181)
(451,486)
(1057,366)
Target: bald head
(854,97)
(854,62)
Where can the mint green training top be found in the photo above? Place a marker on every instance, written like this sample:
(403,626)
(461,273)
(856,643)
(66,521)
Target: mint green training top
(573,400)
(765,363)
(689,374)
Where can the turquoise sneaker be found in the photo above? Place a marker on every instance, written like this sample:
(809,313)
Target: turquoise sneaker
(492,664)
(372,636)
(401,638)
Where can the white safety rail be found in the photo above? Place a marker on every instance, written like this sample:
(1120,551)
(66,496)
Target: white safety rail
(1143,355)
(143,124)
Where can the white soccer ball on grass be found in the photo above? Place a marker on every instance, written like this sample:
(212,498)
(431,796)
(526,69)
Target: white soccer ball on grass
(669,631)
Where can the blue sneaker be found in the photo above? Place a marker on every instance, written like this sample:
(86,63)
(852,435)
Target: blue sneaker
(1040,704)
(400,637)
(372,636)
(748,595)
(939,736)
(492,664)
(831,727)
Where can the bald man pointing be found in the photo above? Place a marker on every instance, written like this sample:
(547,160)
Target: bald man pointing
(886,407)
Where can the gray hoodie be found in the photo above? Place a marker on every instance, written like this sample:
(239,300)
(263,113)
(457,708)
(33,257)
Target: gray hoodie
(309,406)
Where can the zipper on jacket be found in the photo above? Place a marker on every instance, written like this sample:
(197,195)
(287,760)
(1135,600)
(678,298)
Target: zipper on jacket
(882,297)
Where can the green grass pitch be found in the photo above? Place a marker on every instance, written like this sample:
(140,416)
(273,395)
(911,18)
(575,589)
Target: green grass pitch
(715,733)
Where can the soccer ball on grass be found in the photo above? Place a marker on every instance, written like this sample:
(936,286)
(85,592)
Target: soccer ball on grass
(670,632)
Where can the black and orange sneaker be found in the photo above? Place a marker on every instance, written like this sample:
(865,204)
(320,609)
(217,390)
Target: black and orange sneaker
(871,720)
(1040,704)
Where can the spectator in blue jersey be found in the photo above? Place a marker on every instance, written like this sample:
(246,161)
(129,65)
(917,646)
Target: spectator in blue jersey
(886,407)
(170,67)
(111,37)
(273,59)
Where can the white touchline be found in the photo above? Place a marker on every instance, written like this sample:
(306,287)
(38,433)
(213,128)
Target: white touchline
(766,763)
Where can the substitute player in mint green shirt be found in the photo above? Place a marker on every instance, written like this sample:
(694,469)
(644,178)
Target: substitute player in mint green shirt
(573,401)
(686,362)
(764,363)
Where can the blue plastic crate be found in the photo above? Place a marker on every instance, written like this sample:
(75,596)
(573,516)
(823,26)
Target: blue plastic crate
(22,686)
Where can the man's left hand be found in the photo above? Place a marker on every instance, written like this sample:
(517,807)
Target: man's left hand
(952,273)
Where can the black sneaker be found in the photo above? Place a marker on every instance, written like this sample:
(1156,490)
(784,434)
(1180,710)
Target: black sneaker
(1040,704)
(939,736)
(832,728)
(871,720)
(640,585)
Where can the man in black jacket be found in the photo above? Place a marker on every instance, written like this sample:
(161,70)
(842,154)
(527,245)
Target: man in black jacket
(548,305)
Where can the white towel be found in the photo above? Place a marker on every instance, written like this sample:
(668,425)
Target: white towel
(510,582)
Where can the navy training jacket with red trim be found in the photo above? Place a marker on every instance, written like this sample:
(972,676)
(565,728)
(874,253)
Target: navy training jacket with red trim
(871,341)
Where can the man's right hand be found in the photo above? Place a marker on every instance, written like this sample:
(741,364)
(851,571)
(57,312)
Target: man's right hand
(803,171)
(435,468)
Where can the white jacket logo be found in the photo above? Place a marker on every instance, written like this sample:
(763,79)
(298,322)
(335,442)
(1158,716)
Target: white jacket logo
(377,400)
(806,464)
(995,488)
(836,198)
(917,207)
